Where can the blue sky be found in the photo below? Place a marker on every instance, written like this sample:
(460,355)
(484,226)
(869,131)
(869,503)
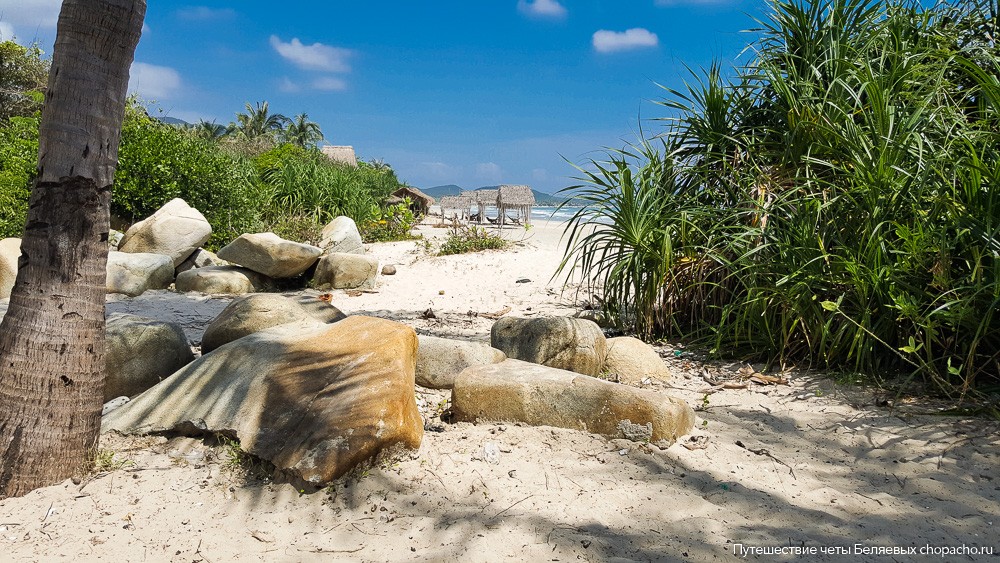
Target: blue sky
(472,92)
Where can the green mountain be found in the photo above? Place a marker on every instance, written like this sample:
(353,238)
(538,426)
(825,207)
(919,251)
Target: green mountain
(541,198)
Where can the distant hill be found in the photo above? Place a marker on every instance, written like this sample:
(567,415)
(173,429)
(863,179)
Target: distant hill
(174,121)
(541,198)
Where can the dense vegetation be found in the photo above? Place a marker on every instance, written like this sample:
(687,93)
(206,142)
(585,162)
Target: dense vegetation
(833,203)
(261,172)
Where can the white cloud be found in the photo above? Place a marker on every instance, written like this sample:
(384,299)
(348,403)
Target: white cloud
(153,82)
(204,13)
(146,29)
(542,8)
(539,174)
(489,172)
(439,171)
(329,83)
(6,31)
(288,86)
(30,14)
(313,57)
(612,41)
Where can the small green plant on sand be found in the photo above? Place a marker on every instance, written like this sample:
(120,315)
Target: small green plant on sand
(472,239)
(108,460)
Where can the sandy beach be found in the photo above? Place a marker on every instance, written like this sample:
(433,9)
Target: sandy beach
(812,465)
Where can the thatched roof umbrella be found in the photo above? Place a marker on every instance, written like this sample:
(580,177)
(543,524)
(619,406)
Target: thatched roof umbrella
(459,204)
(516,198)
(483,199)
(419,201)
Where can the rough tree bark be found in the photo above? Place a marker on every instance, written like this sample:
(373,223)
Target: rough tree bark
(52,337)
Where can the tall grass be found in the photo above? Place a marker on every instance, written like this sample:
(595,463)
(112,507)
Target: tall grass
(833,203)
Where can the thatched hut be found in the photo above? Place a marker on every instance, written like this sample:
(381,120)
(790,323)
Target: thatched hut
(518,199)
(483,199)
(419,201)
(343,154)
(458,205)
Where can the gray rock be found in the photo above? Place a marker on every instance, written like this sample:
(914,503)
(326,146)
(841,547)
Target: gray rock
(222,279)
(315,402)
(388,270)
(115,239)
(516,391)
(341,235)
(113,404)
(560,342)
(176,229)
(439,360)
(200,258)
(10,251)
(345,271)
(133,273)
(271,255)
(252,313)
(631,360)
(140,353)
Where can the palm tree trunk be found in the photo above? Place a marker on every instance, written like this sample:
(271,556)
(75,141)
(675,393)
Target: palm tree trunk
(52,337)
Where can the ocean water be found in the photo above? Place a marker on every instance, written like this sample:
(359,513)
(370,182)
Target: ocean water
(539,213)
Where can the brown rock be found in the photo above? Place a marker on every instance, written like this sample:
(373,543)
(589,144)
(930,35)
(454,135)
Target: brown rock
(439,360)
(631,360)
(315,402)
(258,311)
(516,391)
(559,342)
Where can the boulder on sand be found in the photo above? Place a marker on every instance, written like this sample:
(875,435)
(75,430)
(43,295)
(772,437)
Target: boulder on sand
(315,402)
(631,360)
(255,312)
(140,353)
(559,342)
(10,251)
(516,391)
(221,279)
(134,273)
(439,360)
(271,255)
(341,235)
(345,271)
(201,258)
(176,229)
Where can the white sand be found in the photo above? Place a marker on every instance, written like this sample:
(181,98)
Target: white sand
(820,466)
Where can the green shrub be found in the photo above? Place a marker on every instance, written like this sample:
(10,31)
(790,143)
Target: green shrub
(158,162)
(18,164)
(472,239)
(834,204)
(390,223)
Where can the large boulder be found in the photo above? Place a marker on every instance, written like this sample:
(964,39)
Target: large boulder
(439,360)
(221,279)
(200,258)
(345,271)
(341,235)
(10,251)
(631,360)
(140,353)
(176,229)
(559,342)
(315,402)
(258,311)
(516,391)
(270,255)
(134,273)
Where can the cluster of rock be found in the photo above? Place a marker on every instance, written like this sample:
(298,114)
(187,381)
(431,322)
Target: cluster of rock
(315,392)
(166,248)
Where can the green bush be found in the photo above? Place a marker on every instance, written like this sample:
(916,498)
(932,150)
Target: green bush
(18,164)
(158,162)
(834,204)
(390,223)
(472,239)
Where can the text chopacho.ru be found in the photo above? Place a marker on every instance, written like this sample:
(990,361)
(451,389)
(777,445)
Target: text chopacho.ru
(744,551)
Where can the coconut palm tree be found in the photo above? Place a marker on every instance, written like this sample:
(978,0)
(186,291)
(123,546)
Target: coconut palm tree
(52,338)
(301,131)
(210,130)
(258,122)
